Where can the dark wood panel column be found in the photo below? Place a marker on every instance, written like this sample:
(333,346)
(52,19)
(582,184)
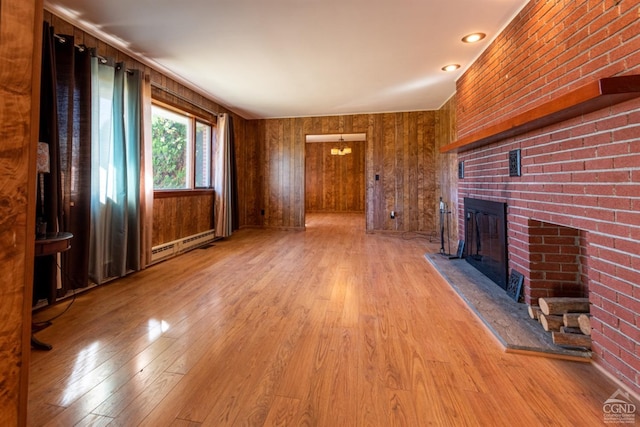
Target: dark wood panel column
(20,33)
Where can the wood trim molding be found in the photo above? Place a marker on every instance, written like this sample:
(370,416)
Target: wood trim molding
(164,194)
(585,99)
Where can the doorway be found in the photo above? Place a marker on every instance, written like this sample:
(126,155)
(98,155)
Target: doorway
(335,173)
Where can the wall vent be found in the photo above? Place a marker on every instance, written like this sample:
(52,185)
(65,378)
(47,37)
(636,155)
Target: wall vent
(170,249)
(514,163)
(164,251)
(196,240)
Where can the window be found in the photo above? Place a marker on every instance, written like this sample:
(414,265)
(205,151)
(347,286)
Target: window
(203,155)
(181,150)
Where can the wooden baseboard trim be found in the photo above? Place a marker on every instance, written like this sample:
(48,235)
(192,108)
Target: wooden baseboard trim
(619,384)
(548,355)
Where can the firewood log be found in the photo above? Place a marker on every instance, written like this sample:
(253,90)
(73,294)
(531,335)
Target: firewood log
(550,322)
(570,320)
(534,311)
(570,330)
(561,305)
(571,340)
(584,322)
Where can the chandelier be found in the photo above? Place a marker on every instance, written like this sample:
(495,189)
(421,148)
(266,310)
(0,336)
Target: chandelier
(341,149)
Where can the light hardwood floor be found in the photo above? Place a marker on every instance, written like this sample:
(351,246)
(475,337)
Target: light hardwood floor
(326,327)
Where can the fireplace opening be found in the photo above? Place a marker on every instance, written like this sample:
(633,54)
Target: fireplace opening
(558,261)
(486,238)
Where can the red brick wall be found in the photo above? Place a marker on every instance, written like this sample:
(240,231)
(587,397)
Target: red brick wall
(581,174)
(550,48)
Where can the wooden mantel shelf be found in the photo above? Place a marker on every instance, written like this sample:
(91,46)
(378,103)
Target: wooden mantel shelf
(588,98)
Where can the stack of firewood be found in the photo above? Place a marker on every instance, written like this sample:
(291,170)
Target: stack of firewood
(567,319)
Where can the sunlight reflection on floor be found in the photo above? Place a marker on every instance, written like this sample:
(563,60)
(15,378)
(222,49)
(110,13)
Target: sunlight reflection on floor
(157,328)
(76,383)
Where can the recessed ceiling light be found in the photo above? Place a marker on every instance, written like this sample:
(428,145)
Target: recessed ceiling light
(473,37)
(451,67)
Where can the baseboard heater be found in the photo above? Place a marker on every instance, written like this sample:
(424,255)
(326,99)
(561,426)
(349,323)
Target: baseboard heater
(170,249)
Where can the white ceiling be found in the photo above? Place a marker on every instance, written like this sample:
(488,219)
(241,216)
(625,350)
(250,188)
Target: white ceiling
(294,58)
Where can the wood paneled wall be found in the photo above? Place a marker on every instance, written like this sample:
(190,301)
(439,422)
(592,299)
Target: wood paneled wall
(334,183)
(250,161)
(177,217)
(400,150)
(21,35)
(447,166)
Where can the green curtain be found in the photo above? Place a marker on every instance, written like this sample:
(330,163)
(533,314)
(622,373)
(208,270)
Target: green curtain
(115,171)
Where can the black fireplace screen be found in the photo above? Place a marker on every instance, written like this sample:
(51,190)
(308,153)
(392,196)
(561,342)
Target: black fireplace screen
(486,238)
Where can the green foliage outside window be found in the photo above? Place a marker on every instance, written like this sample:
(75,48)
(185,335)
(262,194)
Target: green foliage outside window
(181,147)
(203,155)
(170,145)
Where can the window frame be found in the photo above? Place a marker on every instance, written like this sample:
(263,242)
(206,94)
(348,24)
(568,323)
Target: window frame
(193,118)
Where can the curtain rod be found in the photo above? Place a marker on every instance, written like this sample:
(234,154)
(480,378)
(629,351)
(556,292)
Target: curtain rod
(181,97)
(63,39)
(82,48)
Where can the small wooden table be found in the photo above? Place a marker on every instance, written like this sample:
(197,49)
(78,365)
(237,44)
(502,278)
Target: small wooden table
(50,245)
(53,243)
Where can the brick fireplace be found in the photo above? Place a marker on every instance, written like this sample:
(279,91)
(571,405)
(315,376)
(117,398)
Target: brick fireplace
(553,258)
(573,208)
(574,220)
